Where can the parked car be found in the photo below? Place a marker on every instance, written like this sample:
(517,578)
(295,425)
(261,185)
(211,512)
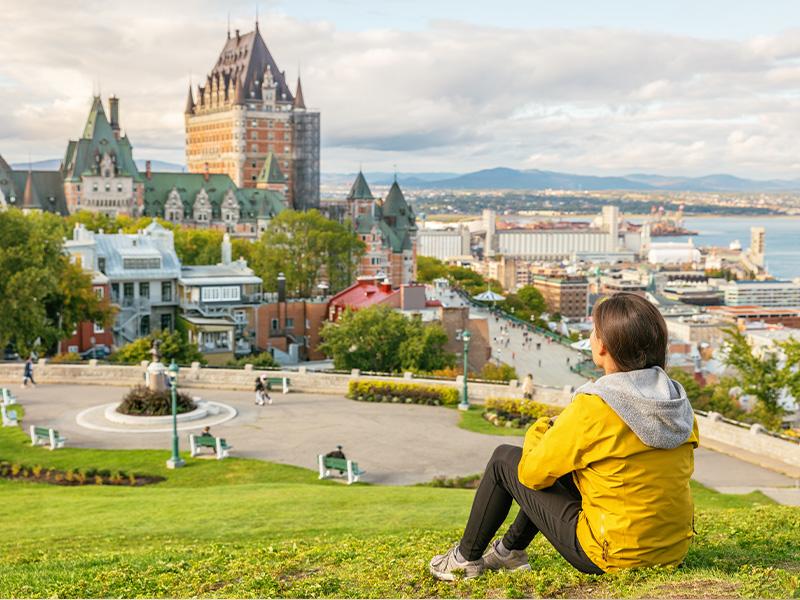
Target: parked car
(100,351)
(9,353)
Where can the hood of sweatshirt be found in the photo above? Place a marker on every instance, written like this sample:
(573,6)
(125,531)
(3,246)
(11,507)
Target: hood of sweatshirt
(654,406)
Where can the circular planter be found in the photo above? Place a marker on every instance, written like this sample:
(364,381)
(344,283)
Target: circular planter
(203,410)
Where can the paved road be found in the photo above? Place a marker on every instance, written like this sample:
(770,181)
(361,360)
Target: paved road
(396,444)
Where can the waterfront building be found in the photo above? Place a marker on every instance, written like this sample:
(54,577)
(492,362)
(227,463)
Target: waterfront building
(673,253)
(762,293)
(742,315)
(389,230)
(245,110)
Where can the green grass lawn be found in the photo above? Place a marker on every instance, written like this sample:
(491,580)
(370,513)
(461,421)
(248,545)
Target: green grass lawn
(472,420)
(245,528)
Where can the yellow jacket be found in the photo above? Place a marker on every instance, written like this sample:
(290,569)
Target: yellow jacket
(637,506)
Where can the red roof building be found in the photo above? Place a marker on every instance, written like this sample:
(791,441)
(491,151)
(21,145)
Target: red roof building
(368,291)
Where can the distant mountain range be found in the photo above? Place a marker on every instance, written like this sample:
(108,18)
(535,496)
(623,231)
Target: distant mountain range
(535,179)
(53,164)
(502,178)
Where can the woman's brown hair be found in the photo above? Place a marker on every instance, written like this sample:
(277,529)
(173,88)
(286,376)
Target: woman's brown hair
(632,330)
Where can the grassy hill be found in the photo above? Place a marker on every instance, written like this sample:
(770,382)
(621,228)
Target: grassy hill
(244,528)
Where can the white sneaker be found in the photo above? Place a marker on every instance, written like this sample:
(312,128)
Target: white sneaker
(447,567)
(515,560)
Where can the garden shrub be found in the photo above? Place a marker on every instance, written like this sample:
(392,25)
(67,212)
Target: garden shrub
(514,412)
(259,361)
(39,474)
(407,393)
(67,357)
(466,482)
(143,402)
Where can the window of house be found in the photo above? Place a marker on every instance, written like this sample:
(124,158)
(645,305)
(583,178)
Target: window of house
(166,291)
(141,263)
(119,187)
(127,290)
(274,325)
(289,323)
(72,349)
(108,187)
(94,187)
(98,328)
(255,147)
(144,325)
(144,289)
(166,322)
(98,291)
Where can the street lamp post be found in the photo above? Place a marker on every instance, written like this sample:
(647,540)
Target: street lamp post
(176,461)
(464,404)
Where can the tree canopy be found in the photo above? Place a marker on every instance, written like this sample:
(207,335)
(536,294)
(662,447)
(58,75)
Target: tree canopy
(43,296)
(307,248)
(380,339)
(764,376)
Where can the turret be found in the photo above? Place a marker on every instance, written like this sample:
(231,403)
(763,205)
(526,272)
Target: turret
(189,103)
(299,102)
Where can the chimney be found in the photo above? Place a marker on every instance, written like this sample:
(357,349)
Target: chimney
(147,172)
(113,109)
(205,171)
(237,36)
(281,287)
(226,249)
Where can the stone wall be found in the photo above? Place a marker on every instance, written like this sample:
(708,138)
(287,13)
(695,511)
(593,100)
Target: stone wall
(754,439)
(244,379)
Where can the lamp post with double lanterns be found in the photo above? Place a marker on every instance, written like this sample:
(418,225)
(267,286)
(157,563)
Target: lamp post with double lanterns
(176,461)
(464,404)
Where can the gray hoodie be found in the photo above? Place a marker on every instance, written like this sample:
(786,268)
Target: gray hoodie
(654,406)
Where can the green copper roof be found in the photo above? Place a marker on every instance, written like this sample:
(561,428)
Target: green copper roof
(360,190)
(84,155)
(253,203)
(395,203)
(271,171)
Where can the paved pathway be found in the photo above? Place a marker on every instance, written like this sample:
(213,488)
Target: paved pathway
(395,444)
(548,364)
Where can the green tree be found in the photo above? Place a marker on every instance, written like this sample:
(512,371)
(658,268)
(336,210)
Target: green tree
(198,246)
(423,350)
(429,268)
(532,300)
(43,297)
(501,372)
(174,346)
(764,377)
(379,338)
(307,248)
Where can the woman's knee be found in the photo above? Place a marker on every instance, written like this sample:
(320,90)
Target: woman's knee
(506,454)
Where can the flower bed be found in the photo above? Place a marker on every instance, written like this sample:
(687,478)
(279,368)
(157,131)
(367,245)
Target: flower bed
(513,412)
(405,393)
(143,402)
(74,477)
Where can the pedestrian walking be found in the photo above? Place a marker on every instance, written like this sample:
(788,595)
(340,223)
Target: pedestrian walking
(28,374)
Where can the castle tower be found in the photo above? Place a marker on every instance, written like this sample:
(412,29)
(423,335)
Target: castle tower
(244,111)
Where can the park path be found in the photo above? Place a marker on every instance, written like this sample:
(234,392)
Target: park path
(395,444)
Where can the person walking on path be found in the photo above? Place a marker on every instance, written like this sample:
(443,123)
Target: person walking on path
(28,374)
(607,483)
(527,387)
(262,396)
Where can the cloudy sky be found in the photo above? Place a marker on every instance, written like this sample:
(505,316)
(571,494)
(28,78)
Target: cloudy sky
(610,87)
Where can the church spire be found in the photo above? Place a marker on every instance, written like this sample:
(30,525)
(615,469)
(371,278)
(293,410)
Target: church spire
(299,102)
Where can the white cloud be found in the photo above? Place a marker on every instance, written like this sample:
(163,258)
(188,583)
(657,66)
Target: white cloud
(452,96)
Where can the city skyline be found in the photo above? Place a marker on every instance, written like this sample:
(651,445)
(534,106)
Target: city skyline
(430,94)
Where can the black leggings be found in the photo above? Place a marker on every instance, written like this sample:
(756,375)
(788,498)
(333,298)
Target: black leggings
(553,511)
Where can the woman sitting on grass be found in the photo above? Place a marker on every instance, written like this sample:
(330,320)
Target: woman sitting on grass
(608,483)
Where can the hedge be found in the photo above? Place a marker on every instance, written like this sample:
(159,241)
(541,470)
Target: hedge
(406,393)
(514,412)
